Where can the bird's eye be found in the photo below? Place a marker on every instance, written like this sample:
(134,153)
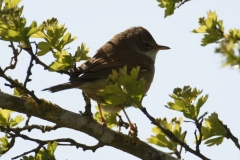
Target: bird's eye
(146,44)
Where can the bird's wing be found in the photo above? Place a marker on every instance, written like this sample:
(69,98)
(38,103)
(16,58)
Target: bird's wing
(102,67)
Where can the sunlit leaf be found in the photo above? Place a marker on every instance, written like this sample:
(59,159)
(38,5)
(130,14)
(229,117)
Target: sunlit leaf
(16,121)
(160,139)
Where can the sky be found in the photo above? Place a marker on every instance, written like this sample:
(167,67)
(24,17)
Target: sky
(186,63)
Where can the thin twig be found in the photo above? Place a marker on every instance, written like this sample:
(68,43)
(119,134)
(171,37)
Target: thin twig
(180,151)
(38,61)
(229,135)
(199,128)
(29,73)
(182,3)
(172,136)
(12,64)
(18,85)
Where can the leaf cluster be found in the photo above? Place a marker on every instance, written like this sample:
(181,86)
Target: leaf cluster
(56,38)
(213,131)
(162,140)
(43,154)
(8,122)
(170,5)
(13,24)
(184,101)
(211,27)
(124,88)
(213,31)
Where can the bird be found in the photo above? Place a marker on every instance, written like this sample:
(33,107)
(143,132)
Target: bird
(132,47)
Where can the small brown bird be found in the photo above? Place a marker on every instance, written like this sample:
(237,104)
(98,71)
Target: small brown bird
(133,47)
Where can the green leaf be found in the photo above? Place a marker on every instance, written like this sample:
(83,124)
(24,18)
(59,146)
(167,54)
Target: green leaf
(38,34)
(16,93)
(214,141)
(55,34)
(44,47)
(81,53)
(28,158)
(47,154)
(169,5)
(213,128)
(56,66)
(124,89)
(110,118)
(160,139)
(3,144)
(33,29)
(12,3)
(4,117)
(211,27)
(184,101)
(16,121)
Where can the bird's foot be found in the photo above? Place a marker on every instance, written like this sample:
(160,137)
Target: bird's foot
(121,123)
(133,130)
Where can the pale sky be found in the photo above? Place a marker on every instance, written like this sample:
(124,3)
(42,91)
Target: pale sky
(187,63)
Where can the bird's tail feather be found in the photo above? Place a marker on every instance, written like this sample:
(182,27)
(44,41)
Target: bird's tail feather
(59,87)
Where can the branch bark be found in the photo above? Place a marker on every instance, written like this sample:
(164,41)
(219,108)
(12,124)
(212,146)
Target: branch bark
(64,118)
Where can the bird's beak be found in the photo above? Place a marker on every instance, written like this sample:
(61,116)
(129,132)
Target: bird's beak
(162,47)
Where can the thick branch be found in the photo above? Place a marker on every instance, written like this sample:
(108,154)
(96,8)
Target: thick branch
(86,124)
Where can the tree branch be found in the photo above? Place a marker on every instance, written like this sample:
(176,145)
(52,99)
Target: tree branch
(12,64)
(229,135)
(82,123)
(172,136)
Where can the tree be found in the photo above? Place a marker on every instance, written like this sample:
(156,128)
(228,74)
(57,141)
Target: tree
(69,119)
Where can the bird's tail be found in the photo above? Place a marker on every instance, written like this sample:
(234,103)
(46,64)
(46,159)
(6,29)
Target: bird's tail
(59,87)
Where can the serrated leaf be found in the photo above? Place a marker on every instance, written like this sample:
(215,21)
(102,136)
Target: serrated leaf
(81,53)
(47,154)
(160,139)
(123,89)
(28,158)
(212,28)
(169,5)
(214,141)
(3,144)
(55,34)
(184,101)
(44,47)
(38,34)
(110,118)
(52,147)
(55,66)
(16,121)
(34,30)
(212,127)
(4,117)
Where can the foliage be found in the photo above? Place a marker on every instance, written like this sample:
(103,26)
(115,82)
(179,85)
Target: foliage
(170,5)
(162,140)
(56,39)
(13,24)
(184,101)
(213,31)
(212,129)
(110,118)
(44,154)
(124,89)
(7,121)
